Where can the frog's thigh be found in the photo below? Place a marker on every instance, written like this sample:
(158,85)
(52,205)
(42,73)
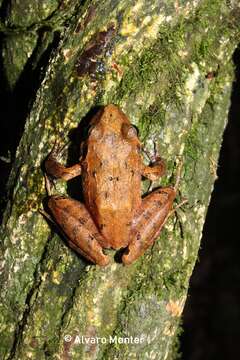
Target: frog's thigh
(78,227)
(149,221)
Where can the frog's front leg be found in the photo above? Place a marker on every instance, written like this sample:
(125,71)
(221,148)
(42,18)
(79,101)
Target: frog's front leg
(155,170)
(78,228)
(57,170)
(148,222)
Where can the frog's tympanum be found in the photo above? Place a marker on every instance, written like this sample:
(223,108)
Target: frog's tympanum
(113,215)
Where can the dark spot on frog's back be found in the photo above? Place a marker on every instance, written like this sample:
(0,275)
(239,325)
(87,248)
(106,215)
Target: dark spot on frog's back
(82,220)
(147,216)
(115,178)
(138,236)
(91,237)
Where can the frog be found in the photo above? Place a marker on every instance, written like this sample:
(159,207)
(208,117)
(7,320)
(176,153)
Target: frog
(113,213)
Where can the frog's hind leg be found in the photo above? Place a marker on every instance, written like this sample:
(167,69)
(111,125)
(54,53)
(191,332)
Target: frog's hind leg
(148,222)
(151,217)
(78,228)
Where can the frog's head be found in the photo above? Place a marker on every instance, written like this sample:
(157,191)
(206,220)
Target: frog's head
(110,121)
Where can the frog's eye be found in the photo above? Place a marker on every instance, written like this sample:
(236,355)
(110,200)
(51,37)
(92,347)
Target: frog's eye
(129,131)
(136,129)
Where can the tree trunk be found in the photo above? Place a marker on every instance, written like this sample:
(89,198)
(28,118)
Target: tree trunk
(168,65)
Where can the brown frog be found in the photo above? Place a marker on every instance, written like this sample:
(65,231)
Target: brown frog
(113,215)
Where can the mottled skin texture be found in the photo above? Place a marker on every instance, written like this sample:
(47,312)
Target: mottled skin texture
(113,215)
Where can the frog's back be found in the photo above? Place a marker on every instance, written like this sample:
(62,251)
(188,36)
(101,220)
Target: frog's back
(112,177)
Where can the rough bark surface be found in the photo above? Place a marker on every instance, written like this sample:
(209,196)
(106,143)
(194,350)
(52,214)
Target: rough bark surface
(168,65)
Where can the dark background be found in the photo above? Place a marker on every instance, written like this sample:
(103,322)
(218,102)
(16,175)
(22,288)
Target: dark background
(211,320)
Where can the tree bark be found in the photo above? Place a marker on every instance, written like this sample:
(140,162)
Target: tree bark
(168,65)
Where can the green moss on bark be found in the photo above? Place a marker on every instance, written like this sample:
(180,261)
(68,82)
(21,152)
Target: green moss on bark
(17,49)
(26,13)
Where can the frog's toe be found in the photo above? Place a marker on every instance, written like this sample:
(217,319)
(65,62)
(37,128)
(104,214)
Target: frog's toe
(130,254)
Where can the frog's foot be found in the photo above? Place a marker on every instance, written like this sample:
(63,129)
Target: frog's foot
(149,221)
(156,168)
(78,228)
